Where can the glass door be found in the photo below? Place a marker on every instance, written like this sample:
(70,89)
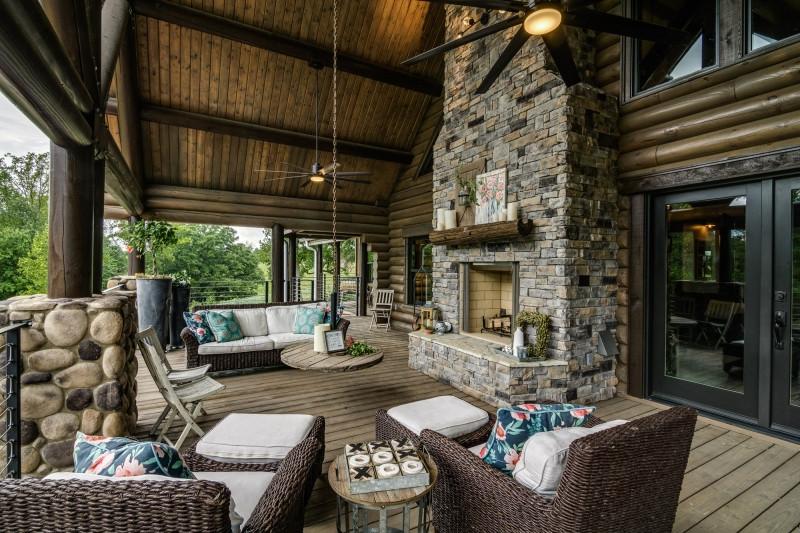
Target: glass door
(705,293)
(786,308)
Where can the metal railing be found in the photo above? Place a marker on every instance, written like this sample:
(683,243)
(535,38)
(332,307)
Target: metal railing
(303,289)
(210,293)
(10,408)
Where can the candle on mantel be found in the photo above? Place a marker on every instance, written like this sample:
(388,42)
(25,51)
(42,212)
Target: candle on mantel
(513,213)
(440,214)
(450,219)
(319,337)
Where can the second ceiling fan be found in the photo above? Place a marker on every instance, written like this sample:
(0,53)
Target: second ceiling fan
(547,20)
(318,173)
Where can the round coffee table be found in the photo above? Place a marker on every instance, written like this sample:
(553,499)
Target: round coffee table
(303,357)
(352,509)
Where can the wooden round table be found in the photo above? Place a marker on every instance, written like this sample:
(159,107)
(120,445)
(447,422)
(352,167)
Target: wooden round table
(303,357)
(355,518)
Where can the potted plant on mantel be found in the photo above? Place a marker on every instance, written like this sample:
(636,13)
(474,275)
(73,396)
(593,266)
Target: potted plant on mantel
(153,291)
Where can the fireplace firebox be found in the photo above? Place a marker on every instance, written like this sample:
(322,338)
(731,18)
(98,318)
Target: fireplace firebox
(489,298)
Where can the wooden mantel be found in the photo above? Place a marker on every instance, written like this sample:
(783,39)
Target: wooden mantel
(493,231)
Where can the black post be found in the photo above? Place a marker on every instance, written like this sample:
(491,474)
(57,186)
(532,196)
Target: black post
(13,407)
(97,226)
(291,267)
(319,272)
(277,264)
(363,266)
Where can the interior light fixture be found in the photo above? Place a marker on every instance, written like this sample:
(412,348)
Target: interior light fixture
(543,20)
(317,178)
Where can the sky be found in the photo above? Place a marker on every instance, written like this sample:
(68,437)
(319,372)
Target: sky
(19,136)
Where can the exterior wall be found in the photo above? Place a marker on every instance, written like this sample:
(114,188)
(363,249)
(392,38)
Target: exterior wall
(559,149)
(79,373)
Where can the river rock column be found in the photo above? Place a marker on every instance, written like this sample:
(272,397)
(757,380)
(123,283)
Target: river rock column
(79,374)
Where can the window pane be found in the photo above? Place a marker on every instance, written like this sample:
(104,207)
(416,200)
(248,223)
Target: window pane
(419,263)
(771,21)
(659,63)
(705,286)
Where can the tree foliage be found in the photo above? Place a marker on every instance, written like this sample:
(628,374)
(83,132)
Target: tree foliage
(150,237)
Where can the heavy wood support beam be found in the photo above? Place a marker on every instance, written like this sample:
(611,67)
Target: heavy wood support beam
(97,225)
(249,130)
(282,44)
(120,180)
(113,23)
(278,295)
(127,103)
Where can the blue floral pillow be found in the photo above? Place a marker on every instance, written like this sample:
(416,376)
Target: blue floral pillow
(517,424)
(306,318)
(197,324)
(224,326)
(121,457)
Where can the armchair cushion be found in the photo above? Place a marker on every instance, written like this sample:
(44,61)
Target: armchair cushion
(121,457)
(198,325)
(448,415)
(282,340)
(515,425)
(224,326)
(246,488)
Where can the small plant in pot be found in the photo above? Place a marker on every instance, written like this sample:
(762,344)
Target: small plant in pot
(153,291)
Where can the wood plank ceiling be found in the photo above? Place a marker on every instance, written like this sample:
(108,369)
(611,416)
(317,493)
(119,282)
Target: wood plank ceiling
(185,69)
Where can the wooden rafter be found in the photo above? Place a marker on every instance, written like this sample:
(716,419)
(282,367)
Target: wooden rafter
(127,103)
(249,130)
(114,22)
(274,42)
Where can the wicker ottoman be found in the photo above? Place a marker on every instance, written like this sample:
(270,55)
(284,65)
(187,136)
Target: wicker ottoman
(451,416)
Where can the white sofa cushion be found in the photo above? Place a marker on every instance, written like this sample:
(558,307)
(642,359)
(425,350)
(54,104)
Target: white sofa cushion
(448,415)
(280,319)
(245,344)
(254,438)
(544,456)
(252,322)
(476,450)
(282,340)
(244,488)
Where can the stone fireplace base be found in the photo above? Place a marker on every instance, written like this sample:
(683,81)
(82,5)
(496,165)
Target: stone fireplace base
(470,365)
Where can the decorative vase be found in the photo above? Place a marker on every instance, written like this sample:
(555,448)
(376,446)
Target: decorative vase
(152,300)
(519,340)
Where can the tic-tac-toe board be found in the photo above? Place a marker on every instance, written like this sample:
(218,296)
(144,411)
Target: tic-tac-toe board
(385,465)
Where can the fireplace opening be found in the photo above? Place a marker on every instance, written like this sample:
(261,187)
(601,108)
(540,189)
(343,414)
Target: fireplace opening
(489,294)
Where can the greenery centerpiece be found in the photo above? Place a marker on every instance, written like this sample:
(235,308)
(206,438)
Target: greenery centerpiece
(357,348)
(537,326)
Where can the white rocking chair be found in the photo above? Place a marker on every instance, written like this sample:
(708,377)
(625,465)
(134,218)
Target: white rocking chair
(382,309)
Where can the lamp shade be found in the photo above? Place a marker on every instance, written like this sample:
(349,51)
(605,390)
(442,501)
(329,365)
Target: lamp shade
(542,21)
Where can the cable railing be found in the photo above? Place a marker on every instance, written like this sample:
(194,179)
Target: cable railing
(10,408)
(208,293)
(306,288)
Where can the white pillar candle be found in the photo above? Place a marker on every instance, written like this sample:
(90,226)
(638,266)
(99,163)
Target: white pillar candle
(440,213)
(513,211)
(319,337)
(450,219)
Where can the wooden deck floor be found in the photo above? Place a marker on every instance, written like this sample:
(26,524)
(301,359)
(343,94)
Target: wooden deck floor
(736,480)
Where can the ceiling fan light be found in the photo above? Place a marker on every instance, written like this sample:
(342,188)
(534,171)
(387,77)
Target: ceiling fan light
(317,178)
(542,21)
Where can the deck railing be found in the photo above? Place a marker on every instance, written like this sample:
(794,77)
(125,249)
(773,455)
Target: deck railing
(208,293)
(305,288)
(10,408)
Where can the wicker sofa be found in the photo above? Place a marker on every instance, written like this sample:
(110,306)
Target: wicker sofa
(33,505)
(253,353)
(624,479)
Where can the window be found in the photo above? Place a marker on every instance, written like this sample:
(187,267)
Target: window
(419,265)
(770,21)
(660,63)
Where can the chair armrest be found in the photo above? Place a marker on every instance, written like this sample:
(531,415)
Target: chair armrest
(191,345)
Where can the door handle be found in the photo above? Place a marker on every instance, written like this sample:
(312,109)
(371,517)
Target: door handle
(779,329)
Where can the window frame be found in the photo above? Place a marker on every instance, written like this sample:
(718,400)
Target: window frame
(410,271)
(747,35)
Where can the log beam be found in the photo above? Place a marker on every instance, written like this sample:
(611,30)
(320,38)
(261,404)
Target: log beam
(206,22)
(127,102)
(250,130)
(113,22)
(120,181)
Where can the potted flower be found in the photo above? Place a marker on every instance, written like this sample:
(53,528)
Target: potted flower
(153,291)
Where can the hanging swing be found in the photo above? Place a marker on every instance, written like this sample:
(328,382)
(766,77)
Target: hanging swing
(334,297)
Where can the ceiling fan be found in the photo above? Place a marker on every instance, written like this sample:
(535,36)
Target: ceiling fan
(547,19)
(318,173)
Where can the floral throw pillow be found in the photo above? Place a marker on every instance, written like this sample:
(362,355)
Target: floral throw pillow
(197,324)
(121,457)
(517,424)
(306,318)
(224,326)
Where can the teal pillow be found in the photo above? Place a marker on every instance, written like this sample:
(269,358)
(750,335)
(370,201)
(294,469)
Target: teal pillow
(121,457)
(515,425)
(306,318)
(224,326)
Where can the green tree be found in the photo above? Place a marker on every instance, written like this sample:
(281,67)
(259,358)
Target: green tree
(33,265)
(115,260)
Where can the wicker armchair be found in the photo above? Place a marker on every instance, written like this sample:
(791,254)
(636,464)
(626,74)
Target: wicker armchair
(387,427)
(240,361)
(32,505)
(624,479)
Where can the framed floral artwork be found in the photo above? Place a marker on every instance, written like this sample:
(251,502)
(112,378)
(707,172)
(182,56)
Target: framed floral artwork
(491,193)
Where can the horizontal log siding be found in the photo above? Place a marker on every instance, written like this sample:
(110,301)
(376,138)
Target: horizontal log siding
(607,53)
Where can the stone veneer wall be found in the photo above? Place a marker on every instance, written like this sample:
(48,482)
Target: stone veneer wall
(79,369)
(559,146)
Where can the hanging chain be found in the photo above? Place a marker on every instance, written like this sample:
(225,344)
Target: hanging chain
(335,70)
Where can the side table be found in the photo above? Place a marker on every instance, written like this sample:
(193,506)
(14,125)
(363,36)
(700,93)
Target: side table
(352,510)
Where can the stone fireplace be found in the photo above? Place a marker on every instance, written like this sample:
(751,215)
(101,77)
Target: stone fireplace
(558,146)
(489,294)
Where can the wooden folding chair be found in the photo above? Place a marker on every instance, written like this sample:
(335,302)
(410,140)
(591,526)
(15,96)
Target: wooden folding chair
(382,309)
(184,400)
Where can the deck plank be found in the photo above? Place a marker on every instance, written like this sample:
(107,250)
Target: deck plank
(735,479)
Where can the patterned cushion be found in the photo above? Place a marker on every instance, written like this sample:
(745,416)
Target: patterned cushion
(121,457)
(197,324)
(224,326)
(306,318)
(517,424)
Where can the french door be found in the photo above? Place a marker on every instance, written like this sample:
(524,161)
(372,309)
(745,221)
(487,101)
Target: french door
(725,295)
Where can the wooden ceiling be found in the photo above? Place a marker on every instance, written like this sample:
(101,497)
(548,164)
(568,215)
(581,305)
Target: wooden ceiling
(181,68)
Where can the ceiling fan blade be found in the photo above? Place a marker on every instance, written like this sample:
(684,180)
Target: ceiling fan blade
(353,173)
(468,38)
(504,5)
(556,42)
(605,22)
(519,40)
(293,177)
(329,181)
(327,169)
